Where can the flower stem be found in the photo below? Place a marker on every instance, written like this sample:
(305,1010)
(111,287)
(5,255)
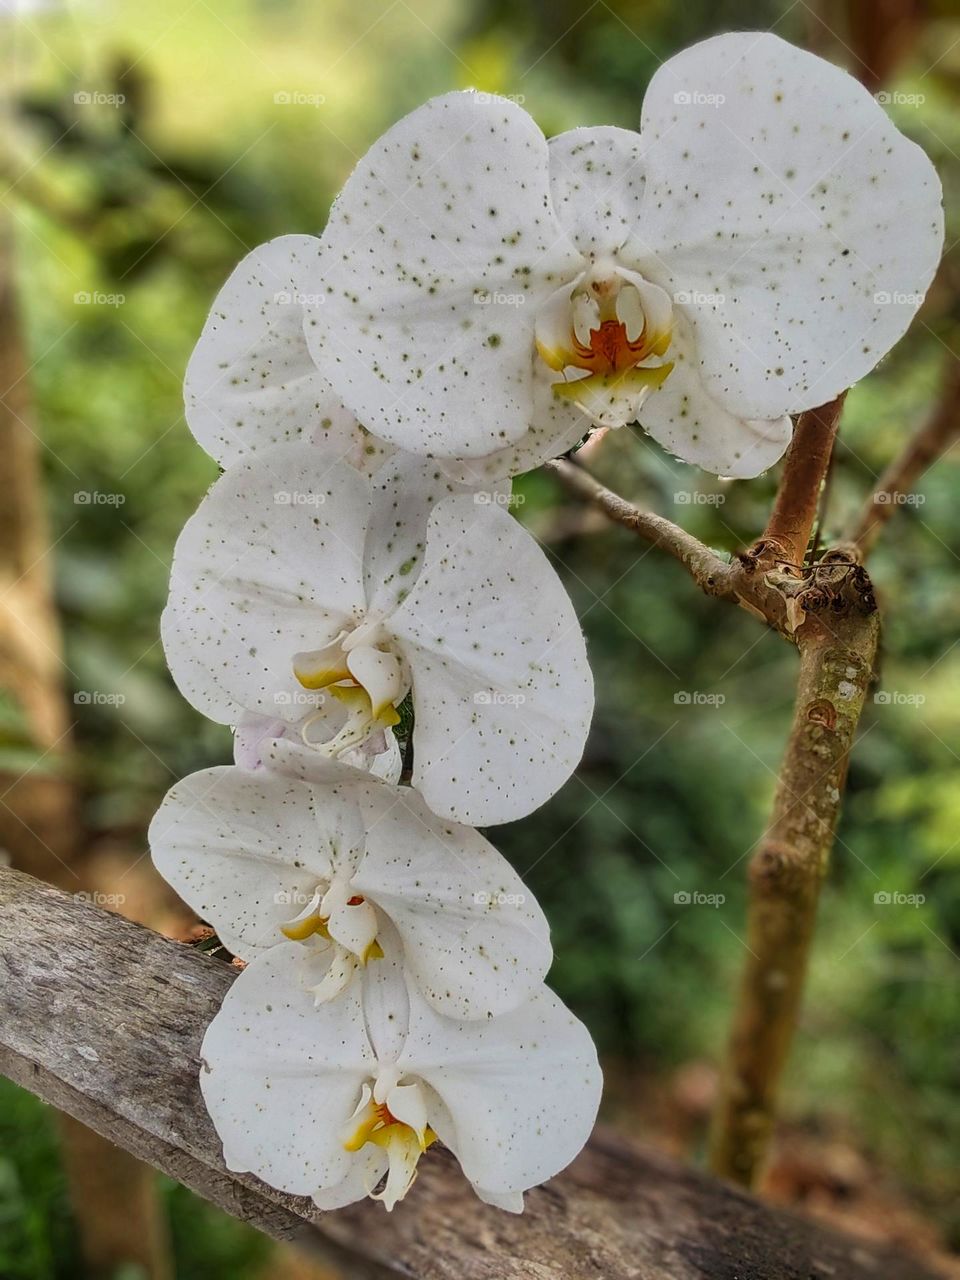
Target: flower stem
(808,459)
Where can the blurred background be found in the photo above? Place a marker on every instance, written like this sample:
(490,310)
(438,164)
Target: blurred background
(145,149)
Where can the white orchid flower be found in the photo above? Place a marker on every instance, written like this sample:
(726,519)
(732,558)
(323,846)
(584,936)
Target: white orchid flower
(298,573)
(754,250)
(251,381)
(330,1101)
(263,858)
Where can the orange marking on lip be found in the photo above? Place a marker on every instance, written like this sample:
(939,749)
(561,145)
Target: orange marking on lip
(610,349)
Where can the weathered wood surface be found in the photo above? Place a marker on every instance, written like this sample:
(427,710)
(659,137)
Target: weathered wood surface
(103,1019)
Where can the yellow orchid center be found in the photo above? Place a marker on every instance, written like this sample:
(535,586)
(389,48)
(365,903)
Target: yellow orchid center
(361,669)
(314,921)
(615,328)
(374,1123)
(301,930)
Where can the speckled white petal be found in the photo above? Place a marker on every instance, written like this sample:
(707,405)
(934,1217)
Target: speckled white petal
(474,939)
(519,1092)
(404,493)
(596,185)
(269,565)
(251,381)
(436,255)
(776,181)
(367,1167)
(246,852)
(683,418)
(386,1001)
(502,690)
(281,1077)
(556,426)
(289,756)
(509,1201)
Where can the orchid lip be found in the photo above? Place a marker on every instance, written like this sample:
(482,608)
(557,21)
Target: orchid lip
(607,334)
(345,921)
(374,1123)
(361,669)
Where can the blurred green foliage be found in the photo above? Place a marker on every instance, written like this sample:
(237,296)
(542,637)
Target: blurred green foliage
(148,206)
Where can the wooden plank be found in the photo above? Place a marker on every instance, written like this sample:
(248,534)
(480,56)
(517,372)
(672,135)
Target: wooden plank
(103,1019)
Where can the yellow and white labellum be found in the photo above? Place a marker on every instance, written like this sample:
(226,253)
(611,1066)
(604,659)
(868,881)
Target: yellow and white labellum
(393,1118)
(341,972)
(351,921)
(615,327)
(360,670)
(380,673)
(361,723)
(318,668)
(348,922)
(307,923)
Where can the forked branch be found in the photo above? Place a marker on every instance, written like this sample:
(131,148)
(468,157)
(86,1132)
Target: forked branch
(938,434)
(828,610)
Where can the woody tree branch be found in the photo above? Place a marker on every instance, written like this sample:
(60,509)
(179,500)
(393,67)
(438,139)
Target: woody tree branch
(105,1019)
(838,648)
(828,610)
(710,572)
(791,522)
(937,435)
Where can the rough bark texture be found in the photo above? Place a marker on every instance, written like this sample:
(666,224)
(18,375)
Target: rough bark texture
(104,1018)
(837,641)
